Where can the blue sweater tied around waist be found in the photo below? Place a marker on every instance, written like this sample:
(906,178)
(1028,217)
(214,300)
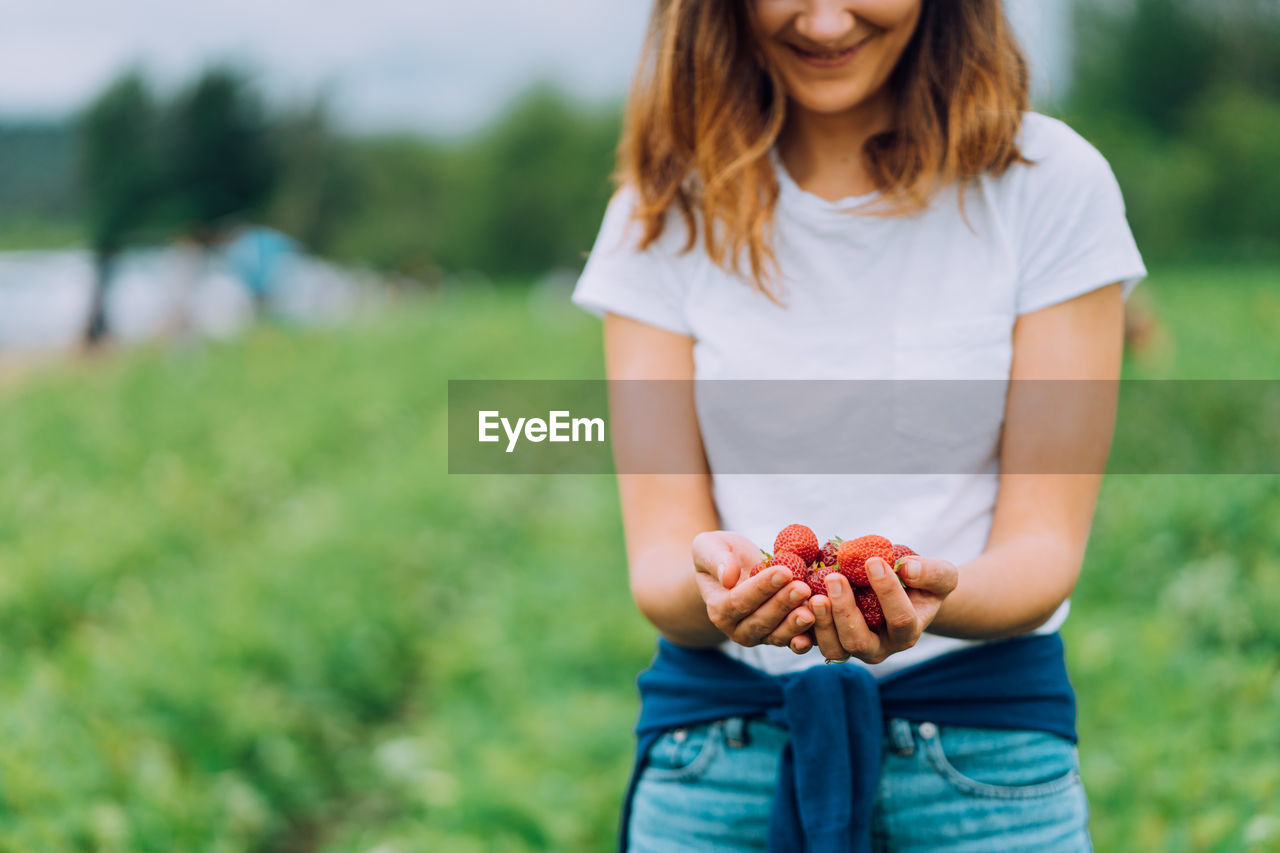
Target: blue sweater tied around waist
(828,775)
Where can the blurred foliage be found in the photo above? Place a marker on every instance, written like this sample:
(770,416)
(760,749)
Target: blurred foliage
(218,162)
(1183,98)
(518,198)
(121,172)
(34,233)
(291,630)
(120,163)
(152,169)
(317,184)
(37,173)
(41,205)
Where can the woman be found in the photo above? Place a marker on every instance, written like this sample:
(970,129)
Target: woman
(853,190)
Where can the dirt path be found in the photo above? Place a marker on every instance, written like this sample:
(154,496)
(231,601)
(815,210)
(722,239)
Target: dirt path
(17,367)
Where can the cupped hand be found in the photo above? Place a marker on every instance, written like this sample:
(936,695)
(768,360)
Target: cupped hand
(767,608)
(840,630)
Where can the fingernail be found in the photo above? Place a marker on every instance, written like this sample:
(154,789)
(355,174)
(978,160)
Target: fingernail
(876,569)
(911,570)
(797,596)
(780,580)
(803,621)
(820,609)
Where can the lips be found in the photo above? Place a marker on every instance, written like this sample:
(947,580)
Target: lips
(826,58)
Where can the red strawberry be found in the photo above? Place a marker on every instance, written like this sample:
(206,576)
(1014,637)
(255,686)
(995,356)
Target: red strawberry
(900,551)
(829,551)
(759,567)
(816,580)
(870,607)
(792,561)
(854,553)
(799,540)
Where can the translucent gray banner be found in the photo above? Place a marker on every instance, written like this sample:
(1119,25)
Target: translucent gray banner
(864,426)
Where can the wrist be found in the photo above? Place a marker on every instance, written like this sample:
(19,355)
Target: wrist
(694,638)
(957,618)
(676,609)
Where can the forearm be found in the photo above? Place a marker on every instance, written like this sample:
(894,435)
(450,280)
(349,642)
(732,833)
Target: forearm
(1012,588)
(664,588)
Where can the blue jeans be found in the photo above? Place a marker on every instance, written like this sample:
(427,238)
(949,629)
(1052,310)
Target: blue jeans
(942,788)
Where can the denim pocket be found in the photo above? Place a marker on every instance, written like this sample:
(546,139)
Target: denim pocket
(685,754)
(1001,763)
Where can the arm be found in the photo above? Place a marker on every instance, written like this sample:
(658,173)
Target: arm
(698,598)
(1042,520)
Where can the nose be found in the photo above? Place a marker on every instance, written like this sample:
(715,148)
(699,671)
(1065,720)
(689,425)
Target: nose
(826,22)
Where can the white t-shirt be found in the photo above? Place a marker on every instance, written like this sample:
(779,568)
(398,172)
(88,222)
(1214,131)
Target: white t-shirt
(929,296)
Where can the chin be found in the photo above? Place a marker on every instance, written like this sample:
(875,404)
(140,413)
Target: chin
(829,100)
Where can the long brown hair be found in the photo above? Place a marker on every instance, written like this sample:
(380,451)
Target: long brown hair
(705,110)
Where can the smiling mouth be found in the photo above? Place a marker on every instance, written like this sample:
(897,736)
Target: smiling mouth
(826,57)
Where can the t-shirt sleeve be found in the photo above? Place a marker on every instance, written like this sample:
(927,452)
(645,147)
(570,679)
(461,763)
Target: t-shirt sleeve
(1069,220)
(620,279)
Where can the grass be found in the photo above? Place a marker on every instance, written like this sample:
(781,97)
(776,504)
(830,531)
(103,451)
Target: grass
(36,233)
(246,608)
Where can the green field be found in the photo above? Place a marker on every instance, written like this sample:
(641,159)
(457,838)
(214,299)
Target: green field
(244,607)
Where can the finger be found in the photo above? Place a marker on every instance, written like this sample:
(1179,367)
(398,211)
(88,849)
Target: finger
(712,555)
(714,595)
(936,576)
(724,554)
(902,623)
(729,575)
(851,629)
(711,590)
(802,643)
(824,629)
(793,625)
(746,598)
(769,617)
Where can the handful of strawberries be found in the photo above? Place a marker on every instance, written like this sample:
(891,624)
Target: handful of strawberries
(796,548)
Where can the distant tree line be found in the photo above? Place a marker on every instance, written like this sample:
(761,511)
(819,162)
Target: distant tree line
(1182,96)
(512,201)
(190,167)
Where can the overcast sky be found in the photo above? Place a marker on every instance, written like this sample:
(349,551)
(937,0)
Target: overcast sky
(437,66)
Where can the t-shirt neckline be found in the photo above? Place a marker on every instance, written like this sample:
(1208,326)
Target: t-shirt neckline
(792,193)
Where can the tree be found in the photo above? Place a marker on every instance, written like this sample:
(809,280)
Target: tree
(545,180)
(317,184)
(221,160)
(121,180)
(1150,59)
(1183,98)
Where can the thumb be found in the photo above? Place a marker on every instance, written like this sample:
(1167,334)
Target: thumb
(936,576)
(729,574)
(720,554)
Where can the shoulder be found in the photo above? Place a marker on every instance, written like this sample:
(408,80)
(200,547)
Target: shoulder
(622,231)
(1064,213)
(1057,155)
(1044,136)
(646,283)
(1061,170)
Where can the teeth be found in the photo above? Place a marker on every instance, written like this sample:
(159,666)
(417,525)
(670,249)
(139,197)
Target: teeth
(827,55)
